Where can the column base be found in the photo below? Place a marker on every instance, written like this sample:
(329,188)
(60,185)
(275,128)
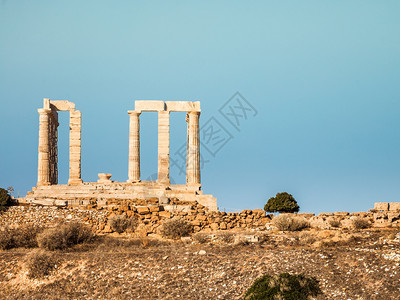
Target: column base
(75,181)
(43,183)
(164,181)
(133,181)
(194,186)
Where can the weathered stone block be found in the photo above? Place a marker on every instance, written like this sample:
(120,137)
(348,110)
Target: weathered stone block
(195,223)
(214,226)
(186,106)
(394,206)
(154,208)
(143,210)
(164,214)
(381,206)
(149,105)
(341,213)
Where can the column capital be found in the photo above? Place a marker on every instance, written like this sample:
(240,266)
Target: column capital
(43,111)
(134,112)
(194,113)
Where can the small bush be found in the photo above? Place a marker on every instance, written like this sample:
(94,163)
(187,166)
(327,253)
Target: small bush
(5,199)
(282,202)
(334,223)
(6,241)
(360,223)
(306,238)
(64,236)
(283,286)
(122,223)
(24,236)
(40,264)
(175,228)
(202,237)
(289,223)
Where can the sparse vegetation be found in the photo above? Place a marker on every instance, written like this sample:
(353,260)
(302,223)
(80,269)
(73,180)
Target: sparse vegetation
(122,223)
(226,237)
(360,223)
(5,199)
(40,263)
(306,238)
(283,286)
(64,236)
(175,228)
(282,202)
(288,222)
(23,236)
(334,223)
(201,237)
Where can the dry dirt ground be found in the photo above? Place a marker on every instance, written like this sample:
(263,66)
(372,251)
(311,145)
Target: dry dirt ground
(364,267)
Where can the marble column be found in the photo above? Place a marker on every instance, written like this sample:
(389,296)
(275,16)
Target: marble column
(53,151)
(193,148)
(75,123)
(44,149)
(163,147)
(134,146)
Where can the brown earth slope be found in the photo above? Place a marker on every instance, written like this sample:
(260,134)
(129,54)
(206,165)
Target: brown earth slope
(366,267)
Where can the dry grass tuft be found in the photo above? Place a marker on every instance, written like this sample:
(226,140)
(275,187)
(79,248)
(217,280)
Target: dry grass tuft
(24,236)
(334,223)
(175,228)
(288,222)
(360,223)
(225,237)
(306,238)
(122,223)
(40,263)
(202,237)
(64,236)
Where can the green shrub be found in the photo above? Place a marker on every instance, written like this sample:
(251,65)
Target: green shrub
(175,228)
(5,199)
(282,202)
(287,222)
(122,223)
(284,286)
(64,236)
(24,236)
(40,264)
(360,223)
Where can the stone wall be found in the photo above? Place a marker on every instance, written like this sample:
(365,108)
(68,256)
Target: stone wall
(152,216)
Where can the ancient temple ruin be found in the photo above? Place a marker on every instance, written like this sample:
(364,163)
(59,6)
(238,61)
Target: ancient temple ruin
(106,192)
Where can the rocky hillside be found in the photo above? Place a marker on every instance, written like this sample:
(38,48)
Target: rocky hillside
(362,264)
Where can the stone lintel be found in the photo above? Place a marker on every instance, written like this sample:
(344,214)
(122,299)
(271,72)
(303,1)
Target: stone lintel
(187,106)
(149,105)
(62,105)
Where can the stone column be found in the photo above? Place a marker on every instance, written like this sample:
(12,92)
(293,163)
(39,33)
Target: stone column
(193,148)
(53,151)
(75,123)
(44,149)
(134,146)
(163,147)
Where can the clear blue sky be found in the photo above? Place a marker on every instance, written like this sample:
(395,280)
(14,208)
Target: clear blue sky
(323,77)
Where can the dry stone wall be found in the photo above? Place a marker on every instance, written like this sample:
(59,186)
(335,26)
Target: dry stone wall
(151,217)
